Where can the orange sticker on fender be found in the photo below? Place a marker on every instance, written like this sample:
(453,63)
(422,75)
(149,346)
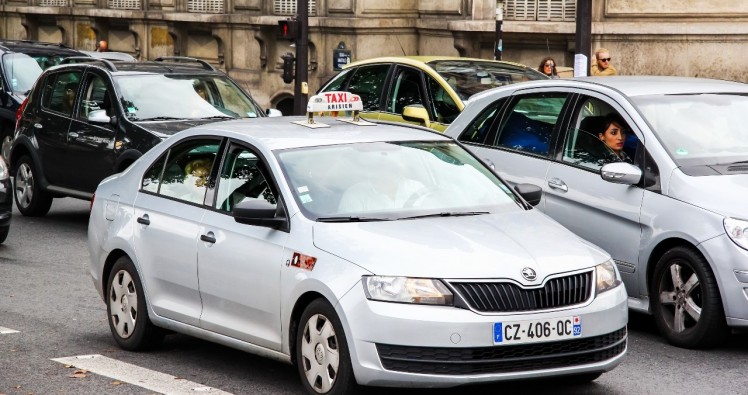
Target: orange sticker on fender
(302,261)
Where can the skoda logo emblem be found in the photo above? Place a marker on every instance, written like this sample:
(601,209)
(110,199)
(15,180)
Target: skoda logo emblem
(528,274)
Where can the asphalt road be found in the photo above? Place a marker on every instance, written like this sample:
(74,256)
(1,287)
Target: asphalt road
(46,295)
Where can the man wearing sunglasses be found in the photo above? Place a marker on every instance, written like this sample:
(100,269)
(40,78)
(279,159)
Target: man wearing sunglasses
(602,66)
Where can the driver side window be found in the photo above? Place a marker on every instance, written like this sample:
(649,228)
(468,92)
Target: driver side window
(599,136)
(243,177)
(96,97)
(405,91)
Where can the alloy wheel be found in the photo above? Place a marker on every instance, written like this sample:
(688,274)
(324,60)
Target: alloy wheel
(681,296)
(24,185)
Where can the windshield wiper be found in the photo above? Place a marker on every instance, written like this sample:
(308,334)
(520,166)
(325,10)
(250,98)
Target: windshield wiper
(218,117)
(351,219)
(158,119)
(447,214)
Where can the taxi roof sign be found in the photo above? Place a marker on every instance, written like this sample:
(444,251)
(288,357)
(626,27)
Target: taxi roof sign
(334,102)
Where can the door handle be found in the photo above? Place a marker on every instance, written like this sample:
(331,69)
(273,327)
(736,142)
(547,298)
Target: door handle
(38,125)
(144,220)
(556,183)
(208,238)
(73,135)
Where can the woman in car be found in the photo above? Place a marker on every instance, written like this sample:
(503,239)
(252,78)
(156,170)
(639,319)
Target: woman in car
(613,134)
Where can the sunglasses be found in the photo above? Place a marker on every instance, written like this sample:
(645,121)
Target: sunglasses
(605,59)
(549,65)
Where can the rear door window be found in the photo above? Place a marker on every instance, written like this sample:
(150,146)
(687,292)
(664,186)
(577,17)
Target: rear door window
(60,90)
(530,121)
(368,83)
(185,173)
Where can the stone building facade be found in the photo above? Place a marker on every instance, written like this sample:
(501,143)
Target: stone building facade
(703,38)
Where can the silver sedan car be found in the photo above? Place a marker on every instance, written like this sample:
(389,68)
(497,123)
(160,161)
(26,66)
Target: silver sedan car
(364,255)
(652,169)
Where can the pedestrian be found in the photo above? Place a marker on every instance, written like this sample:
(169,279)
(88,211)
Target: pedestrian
(102,46)
(548,67)
(602,64)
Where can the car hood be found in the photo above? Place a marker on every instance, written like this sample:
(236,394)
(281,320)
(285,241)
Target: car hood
(722,194)
(167,128)
(481,246)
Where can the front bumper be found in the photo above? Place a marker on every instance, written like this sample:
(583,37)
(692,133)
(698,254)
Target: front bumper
(730,265)
(434,346)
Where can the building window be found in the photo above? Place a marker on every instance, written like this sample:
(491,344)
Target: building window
(540,10)
(288,7)
(124,4)
(208,6)
(53,3)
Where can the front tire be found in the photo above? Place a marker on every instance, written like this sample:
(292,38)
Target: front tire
(686,302)
(322,356)
(30,199)
(127,309)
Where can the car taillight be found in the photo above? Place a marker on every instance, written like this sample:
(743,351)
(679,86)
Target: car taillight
(93,197)
(20,110)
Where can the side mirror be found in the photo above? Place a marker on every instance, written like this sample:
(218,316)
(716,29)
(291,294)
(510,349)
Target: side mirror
(261,213)
(99,116)
(416,113)
(531,193)
(272,112)
(621,173)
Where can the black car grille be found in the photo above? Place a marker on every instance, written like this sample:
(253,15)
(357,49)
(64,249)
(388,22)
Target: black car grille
(502,359)
(495,297)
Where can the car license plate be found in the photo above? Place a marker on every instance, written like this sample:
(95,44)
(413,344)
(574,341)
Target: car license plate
(531,331)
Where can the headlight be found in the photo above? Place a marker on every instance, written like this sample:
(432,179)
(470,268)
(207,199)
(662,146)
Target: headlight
(407,290)
(737,229)
(4,173)
(607,276)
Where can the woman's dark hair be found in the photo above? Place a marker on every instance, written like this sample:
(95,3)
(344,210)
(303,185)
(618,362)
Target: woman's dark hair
(542,63)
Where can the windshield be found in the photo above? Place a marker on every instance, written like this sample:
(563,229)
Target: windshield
(162,97)
(470,77)
(21,71)
(699,129)
(392,181)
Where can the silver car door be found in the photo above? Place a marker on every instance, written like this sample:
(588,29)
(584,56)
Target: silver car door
(521,136)
(239,264)
(604,213)
(168,212)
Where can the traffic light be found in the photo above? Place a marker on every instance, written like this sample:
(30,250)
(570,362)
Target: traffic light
(288,29)
(288,67)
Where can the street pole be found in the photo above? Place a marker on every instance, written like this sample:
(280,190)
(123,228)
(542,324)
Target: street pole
(301,90)
(498,45)
(583,38)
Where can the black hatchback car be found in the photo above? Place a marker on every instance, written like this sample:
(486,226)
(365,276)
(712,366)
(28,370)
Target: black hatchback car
(21,62)
(85,121)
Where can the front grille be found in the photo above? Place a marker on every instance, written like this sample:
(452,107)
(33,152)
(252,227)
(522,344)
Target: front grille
(502,359)
(498,297)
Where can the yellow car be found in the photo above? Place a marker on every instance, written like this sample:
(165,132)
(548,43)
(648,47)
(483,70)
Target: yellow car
(425,90)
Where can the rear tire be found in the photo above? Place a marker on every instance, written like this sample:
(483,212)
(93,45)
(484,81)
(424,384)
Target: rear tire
(686,303)
(4,233)
(127,309)
(30,199)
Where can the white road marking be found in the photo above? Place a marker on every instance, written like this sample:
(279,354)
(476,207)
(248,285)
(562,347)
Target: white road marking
(136,375)
(5,331)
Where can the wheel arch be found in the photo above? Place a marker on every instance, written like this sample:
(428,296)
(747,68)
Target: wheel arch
(667,245)
(301,303)
(126,159)
(113,256)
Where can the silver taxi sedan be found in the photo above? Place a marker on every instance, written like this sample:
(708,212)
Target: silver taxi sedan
(363,255)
